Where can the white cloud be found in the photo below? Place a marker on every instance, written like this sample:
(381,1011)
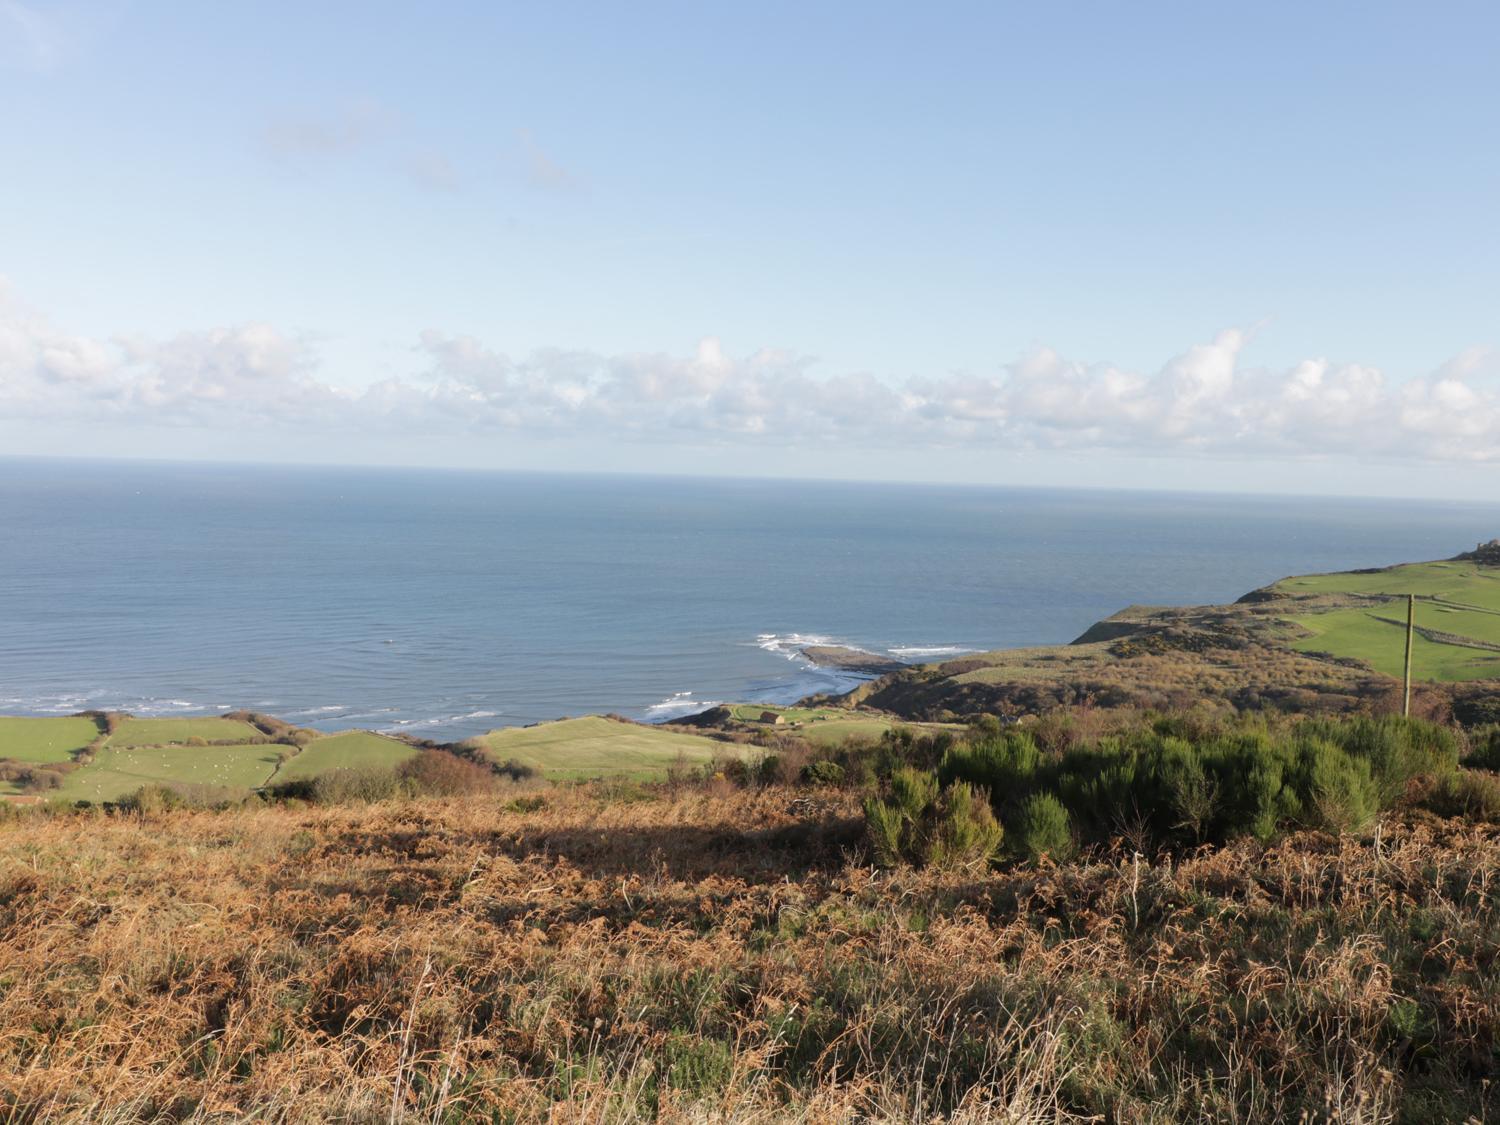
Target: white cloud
(1204,401)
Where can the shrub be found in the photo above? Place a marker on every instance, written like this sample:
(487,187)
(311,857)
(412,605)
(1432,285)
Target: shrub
(516,770)
(355,783)
(696,1066)
(1194,795)
(1002,764)
(526,804)
(34,779)
(1396,749)
(823,772)
(1473,794)
(1041,828)
(1340,792)
(964,834)
(899,827)
(1254,800)
(439,774)
(1484,749)
(163,798)
(921,824)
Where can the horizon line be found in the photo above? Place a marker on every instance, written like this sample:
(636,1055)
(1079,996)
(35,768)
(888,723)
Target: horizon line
(748,478)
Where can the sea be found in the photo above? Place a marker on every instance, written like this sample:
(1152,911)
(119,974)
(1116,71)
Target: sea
(446,603)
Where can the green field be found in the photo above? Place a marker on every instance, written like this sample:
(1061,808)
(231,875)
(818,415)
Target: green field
(1460,583)
(574,749)
(1379,638)
(823,725)
(1460,600)
(117,773)
(167,732)
(44,740)
(346,749)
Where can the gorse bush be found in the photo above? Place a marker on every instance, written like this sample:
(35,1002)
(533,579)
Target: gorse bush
(964,834)
(1339,791)
(1174,783)
(1042,828)
(1002,764)
(1397,750)
(924,824)
(823,772)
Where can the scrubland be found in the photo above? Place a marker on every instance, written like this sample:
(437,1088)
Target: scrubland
(730,946)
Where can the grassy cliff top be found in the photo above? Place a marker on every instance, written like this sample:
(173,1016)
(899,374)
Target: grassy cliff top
(1309,642)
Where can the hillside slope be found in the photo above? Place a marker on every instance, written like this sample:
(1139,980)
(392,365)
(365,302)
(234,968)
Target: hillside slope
(1328,642)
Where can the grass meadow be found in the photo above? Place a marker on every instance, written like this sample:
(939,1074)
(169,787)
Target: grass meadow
(594,747)
(1465,583)
(164,732)
(1378,637)
(1457,602)
(348,749)
(45,740)
(119,771)
(824,726)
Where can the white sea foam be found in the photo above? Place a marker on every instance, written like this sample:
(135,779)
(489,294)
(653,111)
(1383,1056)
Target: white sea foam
(680,703)
(909,652)
(440,720)
(790,645)
(100,700)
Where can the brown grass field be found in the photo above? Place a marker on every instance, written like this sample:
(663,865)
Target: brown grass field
(702,953)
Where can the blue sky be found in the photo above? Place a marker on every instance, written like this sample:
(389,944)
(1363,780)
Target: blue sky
(1064,243)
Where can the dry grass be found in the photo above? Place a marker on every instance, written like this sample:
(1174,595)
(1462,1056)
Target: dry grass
(709,954)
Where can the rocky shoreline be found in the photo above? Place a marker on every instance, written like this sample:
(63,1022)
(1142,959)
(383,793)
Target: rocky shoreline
(844,659)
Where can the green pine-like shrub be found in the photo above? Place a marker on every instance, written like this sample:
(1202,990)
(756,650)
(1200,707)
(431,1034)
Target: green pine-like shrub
(1174,784)
(1041,827)
(921,824)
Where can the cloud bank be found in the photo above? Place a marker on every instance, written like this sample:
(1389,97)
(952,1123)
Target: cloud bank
(1204,401)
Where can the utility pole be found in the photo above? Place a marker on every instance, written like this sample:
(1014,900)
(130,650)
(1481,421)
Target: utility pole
(1411,619)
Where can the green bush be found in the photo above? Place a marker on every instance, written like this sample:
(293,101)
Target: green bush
(823,772)
(1041,828)
(920,824)
(1397,749)
(1005,765)
(164,798)
(1173,781)
(1340,793)
(1194,794)
(964,835)
(697,1066)
(1250,769)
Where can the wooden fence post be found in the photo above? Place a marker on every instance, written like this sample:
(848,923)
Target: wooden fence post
(1411,618)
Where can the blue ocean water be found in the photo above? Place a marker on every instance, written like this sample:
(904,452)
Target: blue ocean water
(446,603)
